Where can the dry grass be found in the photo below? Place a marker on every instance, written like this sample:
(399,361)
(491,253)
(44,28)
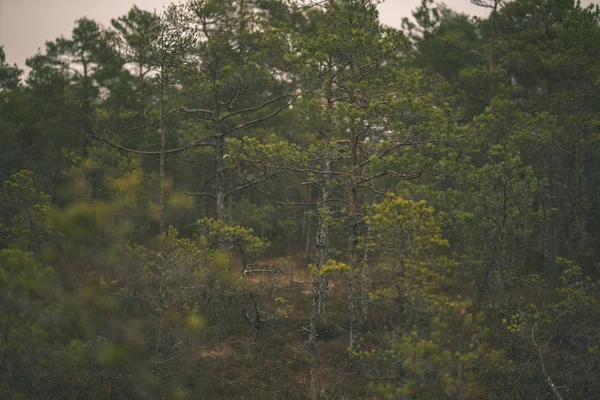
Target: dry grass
(274,362)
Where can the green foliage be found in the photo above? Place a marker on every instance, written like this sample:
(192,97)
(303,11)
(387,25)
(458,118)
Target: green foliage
(559,330)
(404,239)
(26,208)
(283,308)
(414,180)
(330,269)
(218,235)
(437,363)
(9,74)
(28,336)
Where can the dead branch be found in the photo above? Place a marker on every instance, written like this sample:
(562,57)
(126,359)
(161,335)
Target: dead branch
(257,120)
(196,143)
(548,379)
(256,108)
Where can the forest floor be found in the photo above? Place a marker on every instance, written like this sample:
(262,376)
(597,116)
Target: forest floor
(237,361)
(289,272)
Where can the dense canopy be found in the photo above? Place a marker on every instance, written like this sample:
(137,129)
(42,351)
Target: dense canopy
(277,199)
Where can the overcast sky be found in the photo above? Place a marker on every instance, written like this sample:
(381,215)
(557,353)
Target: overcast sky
(25,25)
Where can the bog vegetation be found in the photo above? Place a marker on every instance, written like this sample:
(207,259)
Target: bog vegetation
(268,199)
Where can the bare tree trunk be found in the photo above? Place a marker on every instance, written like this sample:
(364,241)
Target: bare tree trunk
(354,294)
(580,216)
(548,380)
(320,282)
(354,278)
(364,276)
(493,34)
(220,177)
(312,333)
(306,221)
(550,194)
(493,5)
(163,173)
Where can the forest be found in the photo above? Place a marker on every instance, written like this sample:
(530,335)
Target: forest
(281,199)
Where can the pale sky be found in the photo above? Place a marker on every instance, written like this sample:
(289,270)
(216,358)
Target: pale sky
(25,25)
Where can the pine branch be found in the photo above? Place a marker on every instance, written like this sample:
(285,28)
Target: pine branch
(257,120)
(201,194)
(256,108)
(196,143)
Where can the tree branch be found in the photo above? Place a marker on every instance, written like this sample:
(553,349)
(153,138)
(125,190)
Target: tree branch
(390,173)
(201,194)
(548,379)
(293,203)
(313,171)
(379,192)
(249,184)
(313,203)
(249,109)
(394,147)
(257,120)
(196,143)
(197,111)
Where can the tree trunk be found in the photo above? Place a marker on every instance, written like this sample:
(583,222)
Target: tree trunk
(220,177)
(550,194)
(306,221)
(493,34)
(320,282)
(163,173)
(354,277)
